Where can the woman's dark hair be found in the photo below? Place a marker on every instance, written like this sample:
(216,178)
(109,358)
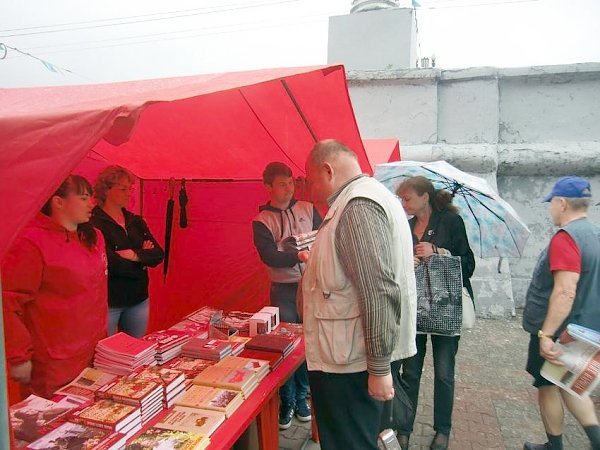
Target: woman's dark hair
(439,199)
(78,185)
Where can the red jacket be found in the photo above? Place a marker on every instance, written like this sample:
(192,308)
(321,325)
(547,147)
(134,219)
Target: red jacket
(54,296)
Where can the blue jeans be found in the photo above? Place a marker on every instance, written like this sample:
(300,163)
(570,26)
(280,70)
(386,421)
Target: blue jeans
(283,295)
(132,320)
(444,353)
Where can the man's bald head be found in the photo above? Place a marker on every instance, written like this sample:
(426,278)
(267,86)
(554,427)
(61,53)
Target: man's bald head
(330,150)
(329,165)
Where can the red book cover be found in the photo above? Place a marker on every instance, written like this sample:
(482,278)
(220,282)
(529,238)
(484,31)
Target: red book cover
(122,344)
(74,436)
(167,339)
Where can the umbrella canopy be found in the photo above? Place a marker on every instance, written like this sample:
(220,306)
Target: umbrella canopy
(493,226)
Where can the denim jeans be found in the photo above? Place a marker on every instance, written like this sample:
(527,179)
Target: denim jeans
(283,295)
(132,320)
(444,352)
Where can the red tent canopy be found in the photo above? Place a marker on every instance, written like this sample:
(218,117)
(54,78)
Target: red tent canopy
(217,131)
(381,151)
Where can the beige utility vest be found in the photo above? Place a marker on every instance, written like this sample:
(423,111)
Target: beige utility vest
(333,328)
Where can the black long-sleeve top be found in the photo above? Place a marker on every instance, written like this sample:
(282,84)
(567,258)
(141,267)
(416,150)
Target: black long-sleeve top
(127,280)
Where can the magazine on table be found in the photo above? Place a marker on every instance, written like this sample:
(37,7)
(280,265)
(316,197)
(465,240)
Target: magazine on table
(156,438)
(35,416)
(192,419)
(580,373)
(86,383)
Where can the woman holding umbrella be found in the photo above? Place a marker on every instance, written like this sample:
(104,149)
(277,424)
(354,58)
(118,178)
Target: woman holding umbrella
(131,249)
(437,229)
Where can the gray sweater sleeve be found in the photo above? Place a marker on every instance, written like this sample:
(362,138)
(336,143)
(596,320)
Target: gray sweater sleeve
(363,241)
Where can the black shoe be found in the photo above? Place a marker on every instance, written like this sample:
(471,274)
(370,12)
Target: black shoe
(286,412)
(531,446)
(303,411)
(403,441)
(440,442)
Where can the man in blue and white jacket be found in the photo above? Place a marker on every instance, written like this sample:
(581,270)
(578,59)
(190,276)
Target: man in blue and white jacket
(281,217)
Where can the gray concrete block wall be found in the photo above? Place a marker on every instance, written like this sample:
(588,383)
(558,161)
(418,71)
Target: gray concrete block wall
(473,115)
(405,108)
(519,128)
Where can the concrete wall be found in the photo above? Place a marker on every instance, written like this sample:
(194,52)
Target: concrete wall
(518,128)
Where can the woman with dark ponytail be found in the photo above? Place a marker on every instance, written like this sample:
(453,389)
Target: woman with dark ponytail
(54,287)
(437,229)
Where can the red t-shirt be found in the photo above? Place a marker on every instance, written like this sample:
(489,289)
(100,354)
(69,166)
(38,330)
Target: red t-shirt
(564,253)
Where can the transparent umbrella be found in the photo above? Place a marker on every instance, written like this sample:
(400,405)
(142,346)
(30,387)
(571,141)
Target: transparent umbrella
(494,228)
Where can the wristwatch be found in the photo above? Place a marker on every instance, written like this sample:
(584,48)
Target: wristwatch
(541,334)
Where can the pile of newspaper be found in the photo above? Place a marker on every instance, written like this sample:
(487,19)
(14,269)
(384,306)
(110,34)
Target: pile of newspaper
(303,241)
(580,349)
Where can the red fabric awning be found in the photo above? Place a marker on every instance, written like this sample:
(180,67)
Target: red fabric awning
(381,151)
(224,126)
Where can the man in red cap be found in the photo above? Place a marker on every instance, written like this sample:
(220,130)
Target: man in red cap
(564,289)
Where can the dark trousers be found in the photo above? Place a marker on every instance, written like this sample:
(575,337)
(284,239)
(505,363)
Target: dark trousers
(347,416)
(444,353)
(283,295)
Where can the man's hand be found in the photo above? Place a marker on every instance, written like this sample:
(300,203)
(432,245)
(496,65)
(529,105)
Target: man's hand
(416,261)
(303,255)
(549,352)
(21,373)
(381,388)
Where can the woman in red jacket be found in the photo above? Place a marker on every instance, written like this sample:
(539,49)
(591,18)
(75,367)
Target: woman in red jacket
(54,287)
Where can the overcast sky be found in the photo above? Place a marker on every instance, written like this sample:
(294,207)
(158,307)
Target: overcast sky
(112,40)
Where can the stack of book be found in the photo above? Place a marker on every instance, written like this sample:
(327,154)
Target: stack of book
(168,343)
(156,438)
(203,315)
(120,354)
(35,416)
(85,385)
(298,242)
(239,320)
(193,329)
(76,436)
(191,367)
(292,331)
(274,359)
(216,399)
(171,380)
(147,395)
(272,343)
(193,420)
(109,415)
(213,349)
(259,366)
(238,344)
(234,379)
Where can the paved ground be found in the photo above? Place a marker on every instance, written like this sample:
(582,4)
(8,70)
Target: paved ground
(495,406)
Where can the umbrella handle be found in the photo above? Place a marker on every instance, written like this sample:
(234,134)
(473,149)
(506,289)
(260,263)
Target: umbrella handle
(171,188)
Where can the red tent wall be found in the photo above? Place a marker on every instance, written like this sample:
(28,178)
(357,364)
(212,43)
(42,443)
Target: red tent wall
(224,128)
(213,260)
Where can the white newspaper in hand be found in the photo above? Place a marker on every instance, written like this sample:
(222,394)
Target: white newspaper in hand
(580,374)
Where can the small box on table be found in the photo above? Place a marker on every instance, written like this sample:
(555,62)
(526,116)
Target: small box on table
(260,323)
(273,311)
